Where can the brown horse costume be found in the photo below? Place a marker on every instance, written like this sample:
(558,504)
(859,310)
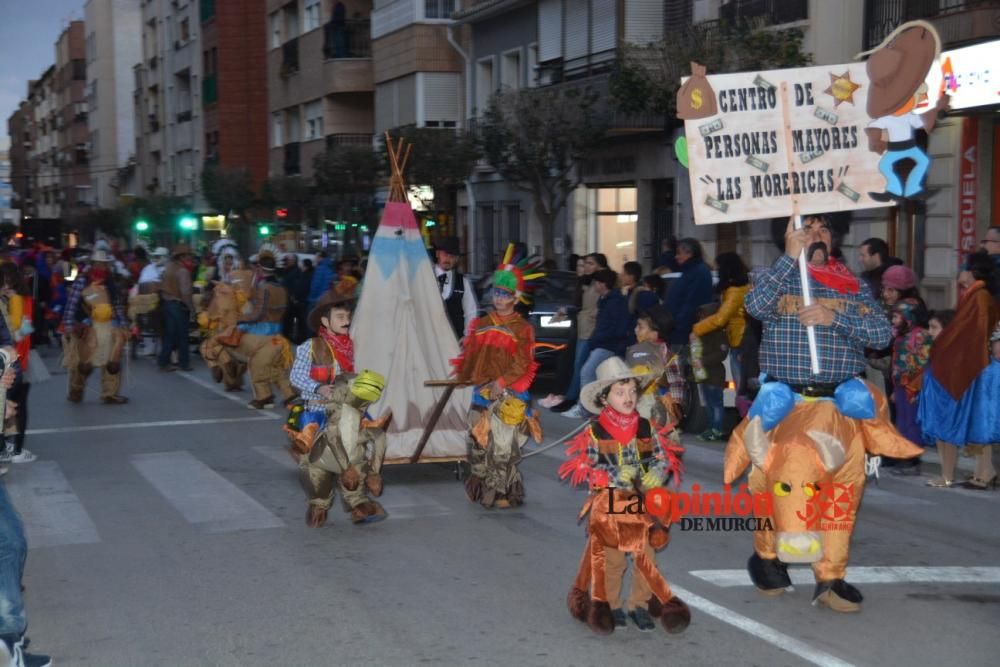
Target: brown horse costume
(813,465)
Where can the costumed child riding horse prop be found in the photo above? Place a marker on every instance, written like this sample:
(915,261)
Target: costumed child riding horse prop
(622,457)
(498,357)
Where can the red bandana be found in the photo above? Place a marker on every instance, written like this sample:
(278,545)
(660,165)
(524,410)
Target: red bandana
(343,349)
(836,276)
(620,427)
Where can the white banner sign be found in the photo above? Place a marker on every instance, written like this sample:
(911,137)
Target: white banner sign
(972,75)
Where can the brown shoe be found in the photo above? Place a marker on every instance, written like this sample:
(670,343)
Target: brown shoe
(75,396)
(373,483)
(367,512)
(114,400)
(217,373)
(261,404)
(316,516)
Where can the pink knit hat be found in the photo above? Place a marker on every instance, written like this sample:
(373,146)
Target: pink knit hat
(899,278)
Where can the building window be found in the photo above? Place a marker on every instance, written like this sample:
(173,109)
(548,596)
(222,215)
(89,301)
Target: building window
(277,129)
(91,48)
(275,20)
(617,219)
(510,70)
(185,30)
(311,19)
(439,9)
(485,84)
(532,74)
(314,120)
(293,126)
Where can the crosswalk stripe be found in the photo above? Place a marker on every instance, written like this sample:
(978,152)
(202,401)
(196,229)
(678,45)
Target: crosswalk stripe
(53,515)
(201,495)
(400,502)
(868,575)
(156,424)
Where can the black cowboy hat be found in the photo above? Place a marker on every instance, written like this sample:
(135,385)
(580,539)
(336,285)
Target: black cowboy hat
(448,244)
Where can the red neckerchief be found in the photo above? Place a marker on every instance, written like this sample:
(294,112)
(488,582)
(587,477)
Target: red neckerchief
(620,427)
(343,348)
(836,276)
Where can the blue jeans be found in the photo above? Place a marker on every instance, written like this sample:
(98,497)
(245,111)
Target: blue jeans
(13,551)
(582,350)
(175,335)
(711,397)
(915,180)
(589,372)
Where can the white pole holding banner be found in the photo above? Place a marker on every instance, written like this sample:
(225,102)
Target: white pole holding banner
(807,301)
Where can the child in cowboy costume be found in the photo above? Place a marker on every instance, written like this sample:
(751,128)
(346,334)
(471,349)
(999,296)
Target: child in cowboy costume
(623,458)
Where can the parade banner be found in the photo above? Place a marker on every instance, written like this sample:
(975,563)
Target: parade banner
(814,139)
(784,142)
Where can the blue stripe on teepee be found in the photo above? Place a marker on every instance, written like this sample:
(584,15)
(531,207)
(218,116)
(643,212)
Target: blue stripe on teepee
(389,251)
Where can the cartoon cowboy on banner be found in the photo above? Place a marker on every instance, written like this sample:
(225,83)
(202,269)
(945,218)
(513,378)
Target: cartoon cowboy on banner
(898,68)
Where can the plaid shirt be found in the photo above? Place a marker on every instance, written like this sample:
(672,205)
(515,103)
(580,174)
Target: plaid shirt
(301,377)
(73,302)
(858,323)
(629,457)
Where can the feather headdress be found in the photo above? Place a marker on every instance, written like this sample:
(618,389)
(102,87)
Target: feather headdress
(518,273)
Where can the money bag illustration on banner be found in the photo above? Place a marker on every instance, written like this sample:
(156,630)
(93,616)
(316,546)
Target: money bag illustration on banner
(696,99)
(898,69)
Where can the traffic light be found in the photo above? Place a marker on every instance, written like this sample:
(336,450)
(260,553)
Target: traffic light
(188,222)
(430,222)
(263,230)
(141,225)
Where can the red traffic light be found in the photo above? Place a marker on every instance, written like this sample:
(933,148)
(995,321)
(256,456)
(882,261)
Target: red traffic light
(281,212)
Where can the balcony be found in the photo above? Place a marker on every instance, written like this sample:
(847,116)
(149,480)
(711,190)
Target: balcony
(293,159)
(333,141)
(773,11)
(290,57)
(184,116)
(351,39)
(957,21)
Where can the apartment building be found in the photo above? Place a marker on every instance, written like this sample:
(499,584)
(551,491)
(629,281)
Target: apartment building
(75,196)
(319,80)
(418,65)
(19,132)
(43,155)
(167,103)
(113,47)
(624,205)
(8,214)
(234,85)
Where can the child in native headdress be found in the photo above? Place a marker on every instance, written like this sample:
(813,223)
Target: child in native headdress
(498,357)
(626,462)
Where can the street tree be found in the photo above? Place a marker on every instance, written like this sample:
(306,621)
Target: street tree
(646,78)
(442,159)
(227,190)
(535,139)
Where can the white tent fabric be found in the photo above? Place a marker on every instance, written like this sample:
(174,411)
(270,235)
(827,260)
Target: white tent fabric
(401,330)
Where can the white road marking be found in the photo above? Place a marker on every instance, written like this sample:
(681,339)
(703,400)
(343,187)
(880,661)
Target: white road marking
(898,574)
(53,515)
(158,424)
(201,495)
(191,377)
(400,502)
(757,629)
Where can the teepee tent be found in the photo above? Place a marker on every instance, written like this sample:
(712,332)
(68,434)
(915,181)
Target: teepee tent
(401,330)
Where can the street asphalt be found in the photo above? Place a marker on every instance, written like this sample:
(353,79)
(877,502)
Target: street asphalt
(170,531)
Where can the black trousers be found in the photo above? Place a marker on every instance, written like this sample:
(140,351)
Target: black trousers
(19,394)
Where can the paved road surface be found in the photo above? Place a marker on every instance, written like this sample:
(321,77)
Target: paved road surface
(171,532)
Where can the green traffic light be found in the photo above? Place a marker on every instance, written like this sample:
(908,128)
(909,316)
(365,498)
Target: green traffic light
(188,222)
(263,230)
(430,223)
(141,226)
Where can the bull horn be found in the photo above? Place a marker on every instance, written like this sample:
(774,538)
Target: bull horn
(831,450)
(756,442)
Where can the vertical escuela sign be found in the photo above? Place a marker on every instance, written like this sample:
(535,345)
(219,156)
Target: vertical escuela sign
(967,189)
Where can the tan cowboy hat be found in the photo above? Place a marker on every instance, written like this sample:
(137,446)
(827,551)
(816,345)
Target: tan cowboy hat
(610,371)
(181,249)
(323,306)
(899,65)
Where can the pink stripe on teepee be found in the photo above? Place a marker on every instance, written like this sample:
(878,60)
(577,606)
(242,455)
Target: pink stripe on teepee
(398,214)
